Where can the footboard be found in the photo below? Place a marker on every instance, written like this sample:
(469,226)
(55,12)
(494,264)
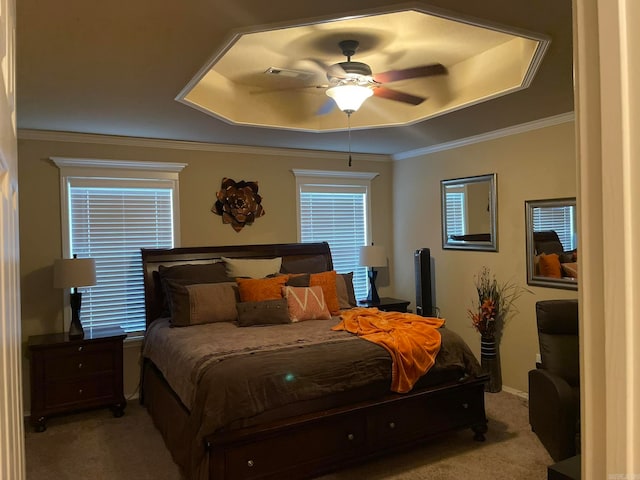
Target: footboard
(307,446)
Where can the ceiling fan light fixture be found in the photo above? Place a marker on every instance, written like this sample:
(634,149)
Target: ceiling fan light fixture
(349,98)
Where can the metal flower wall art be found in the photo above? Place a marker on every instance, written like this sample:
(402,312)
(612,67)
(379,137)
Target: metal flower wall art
(238,203)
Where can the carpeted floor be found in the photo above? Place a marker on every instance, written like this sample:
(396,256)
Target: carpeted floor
(94,445)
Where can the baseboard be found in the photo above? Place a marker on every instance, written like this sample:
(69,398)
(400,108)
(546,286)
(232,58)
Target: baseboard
(516,392)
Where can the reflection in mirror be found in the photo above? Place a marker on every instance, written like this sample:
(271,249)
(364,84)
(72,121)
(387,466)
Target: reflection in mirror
(552,243)
(469,212)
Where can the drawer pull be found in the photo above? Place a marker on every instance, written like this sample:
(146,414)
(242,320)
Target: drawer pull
(392,425)
(80,365)
(80,348)
(351,437)
(80,392)
(250,463)
(465,405)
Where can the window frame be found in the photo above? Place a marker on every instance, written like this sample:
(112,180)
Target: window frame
(110,172)
(328,179)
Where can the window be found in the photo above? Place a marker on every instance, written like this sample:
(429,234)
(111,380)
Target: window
(561,219)
(333,207)
(112,210)
(455,213)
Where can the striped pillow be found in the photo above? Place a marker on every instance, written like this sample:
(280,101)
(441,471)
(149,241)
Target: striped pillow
(306,303)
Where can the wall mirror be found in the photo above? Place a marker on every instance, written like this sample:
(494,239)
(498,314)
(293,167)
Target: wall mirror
(552,243)
(469,213)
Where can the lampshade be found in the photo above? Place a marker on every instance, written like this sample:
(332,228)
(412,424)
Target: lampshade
(74,272)
(373,256)
(349,97)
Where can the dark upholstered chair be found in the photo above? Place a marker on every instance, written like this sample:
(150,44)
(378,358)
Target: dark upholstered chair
(554,387)
(547,241)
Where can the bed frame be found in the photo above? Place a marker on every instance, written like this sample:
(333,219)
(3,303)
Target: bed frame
(304,446)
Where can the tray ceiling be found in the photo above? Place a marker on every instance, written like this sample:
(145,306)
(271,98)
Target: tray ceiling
(277,77)
(116,68)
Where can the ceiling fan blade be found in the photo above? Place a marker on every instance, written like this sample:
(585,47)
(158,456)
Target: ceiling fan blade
(415,72)
(387,93)
(326,107)
(334,70)
(287,89)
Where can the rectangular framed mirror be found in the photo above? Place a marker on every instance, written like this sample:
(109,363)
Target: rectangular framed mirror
(469,213)
(552,243)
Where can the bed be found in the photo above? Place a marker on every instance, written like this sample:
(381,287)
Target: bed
(237,400)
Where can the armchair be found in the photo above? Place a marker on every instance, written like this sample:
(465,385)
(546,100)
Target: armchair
(554,386)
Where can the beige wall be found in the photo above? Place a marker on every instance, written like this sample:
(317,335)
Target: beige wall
(40,235)
(406,200)
(534,165)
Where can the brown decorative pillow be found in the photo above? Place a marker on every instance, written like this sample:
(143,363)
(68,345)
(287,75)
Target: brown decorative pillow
(189,274)
(315,264)
(299,280)
(344,288)
(267,312)
(550,266)
(202,303)
(196,273)
(306,303)
(327,280)
(259,289)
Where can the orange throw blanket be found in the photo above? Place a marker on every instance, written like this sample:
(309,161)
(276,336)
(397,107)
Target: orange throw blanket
(412,341)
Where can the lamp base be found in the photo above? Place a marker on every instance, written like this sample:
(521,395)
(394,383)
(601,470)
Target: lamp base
(373,297)
(75,329)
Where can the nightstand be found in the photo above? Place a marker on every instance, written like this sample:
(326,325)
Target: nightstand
(74,374)
(568,469)
(387,304)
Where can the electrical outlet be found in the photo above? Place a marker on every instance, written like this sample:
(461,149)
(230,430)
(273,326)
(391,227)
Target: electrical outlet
(538,358)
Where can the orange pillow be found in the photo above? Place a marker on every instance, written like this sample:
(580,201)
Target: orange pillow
(306,303)
(327,280)
(259,289)
(550,266)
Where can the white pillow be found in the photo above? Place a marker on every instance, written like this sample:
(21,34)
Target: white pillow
(252,268)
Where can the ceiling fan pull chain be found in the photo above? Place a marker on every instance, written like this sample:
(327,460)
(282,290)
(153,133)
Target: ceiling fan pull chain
(349,129)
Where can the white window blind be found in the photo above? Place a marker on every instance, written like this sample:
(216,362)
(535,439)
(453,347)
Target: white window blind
(111,224)
(337,215)
(112,209)
(455,213)
(559,219)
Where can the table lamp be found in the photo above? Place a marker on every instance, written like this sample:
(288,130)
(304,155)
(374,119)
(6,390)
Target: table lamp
(73,273)
(373,256)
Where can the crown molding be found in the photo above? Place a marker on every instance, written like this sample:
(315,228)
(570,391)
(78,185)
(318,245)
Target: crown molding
(299,172)
(503,132)
(59,136)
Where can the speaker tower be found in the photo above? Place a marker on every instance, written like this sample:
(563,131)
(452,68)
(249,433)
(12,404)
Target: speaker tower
(424,301)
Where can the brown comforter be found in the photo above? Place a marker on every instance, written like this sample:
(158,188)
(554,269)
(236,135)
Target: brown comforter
(411,340)
(230,377)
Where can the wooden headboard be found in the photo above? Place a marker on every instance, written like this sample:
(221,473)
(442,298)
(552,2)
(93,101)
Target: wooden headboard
(152,258)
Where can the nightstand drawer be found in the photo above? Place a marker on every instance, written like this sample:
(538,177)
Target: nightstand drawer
(83,391)
(69,363)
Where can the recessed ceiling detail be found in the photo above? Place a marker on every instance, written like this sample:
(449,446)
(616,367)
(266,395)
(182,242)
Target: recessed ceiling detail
(278,78)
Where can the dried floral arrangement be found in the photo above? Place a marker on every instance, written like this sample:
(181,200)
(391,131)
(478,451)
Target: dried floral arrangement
(495,303)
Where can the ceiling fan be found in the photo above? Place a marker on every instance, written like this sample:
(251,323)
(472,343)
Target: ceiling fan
(350,83)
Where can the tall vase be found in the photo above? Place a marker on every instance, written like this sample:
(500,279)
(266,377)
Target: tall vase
(490,363)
